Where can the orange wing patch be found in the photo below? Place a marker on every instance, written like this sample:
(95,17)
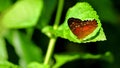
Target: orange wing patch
(82,28)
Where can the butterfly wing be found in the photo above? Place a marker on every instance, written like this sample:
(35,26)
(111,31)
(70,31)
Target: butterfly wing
(81,28)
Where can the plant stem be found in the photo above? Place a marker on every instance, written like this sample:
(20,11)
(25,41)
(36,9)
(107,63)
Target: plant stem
(29,33)
(50,50)
(58,15)
(55,26)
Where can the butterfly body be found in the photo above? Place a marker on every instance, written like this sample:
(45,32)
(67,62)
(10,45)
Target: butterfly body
(82,28)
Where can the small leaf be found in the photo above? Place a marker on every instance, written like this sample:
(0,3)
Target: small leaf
(24,13)
(64,58)
(3,50)
(37,65)
(81,11)
(6,64)
(48,30)
(68,57)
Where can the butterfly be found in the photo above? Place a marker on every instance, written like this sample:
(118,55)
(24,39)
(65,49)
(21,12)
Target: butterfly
(82,28)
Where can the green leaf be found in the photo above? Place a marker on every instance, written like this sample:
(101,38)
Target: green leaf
(48,30)
(4,4)
(48,9)
(82,11)
(25,48)
(68,57)
(6,64)
(37,65)
(3,50)
(23,14)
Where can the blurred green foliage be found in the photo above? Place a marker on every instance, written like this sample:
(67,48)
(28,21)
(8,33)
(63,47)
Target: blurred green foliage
(25,25)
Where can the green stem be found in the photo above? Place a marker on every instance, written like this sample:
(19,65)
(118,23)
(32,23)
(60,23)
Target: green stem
(29,33)
(50,50)
(53,40)
(58,15)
